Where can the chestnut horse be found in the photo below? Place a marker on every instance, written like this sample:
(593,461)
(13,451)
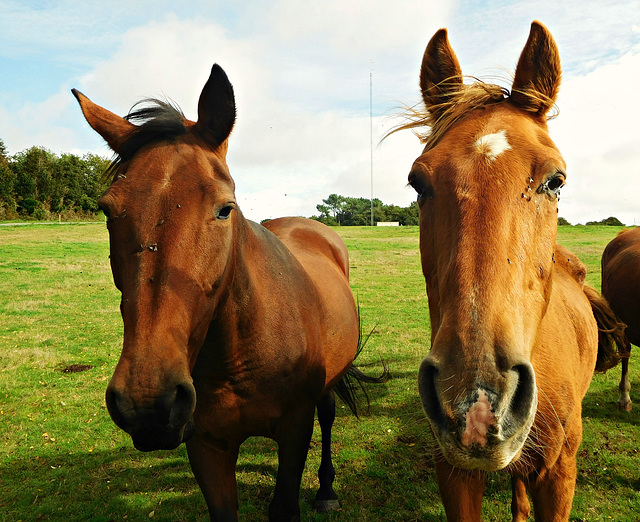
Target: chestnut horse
(514,340)
(231,329)
(621,287)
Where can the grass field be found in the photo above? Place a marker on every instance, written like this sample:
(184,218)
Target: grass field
(61,457)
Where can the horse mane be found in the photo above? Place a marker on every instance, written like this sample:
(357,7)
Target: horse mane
(438,119)
(156,120)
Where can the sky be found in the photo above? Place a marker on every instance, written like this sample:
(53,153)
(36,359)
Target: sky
(304,75)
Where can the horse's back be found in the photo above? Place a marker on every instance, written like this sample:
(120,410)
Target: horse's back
(324,256)
(621,279)
(307,239)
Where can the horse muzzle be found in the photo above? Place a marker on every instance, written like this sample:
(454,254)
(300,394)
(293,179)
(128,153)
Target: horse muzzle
(160,421)
(479,425)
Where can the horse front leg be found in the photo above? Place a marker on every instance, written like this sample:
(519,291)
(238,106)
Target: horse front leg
(624,402)
(326,498)
(520,507)
(552,491)
(293,436)
(461,490)
(214,466)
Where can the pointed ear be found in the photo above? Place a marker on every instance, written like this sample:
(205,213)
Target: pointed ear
(537,79)
(113,128)
(216,108)
(440,74)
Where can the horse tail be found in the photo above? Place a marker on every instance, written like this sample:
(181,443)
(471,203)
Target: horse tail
(347,387)
(611,337)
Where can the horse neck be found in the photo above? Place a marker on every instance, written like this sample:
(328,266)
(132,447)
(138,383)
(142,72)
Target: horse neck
(253,285)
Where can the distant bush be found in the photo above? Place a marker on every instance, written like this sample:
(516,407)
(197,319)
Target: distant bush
(28,205)
(563,221)
(610,221)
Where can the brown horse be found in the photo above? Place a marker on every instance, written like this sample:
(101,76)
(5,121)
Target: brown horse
(514,340)
(258,323)
(621,287)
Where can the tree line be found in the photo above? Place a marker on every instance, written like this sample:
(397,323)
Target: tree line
(36,183)
(347,211)
(611,221)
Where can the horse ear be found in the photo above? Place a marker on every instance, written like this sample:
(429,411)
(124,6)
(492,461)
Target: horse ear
(216,108)
(440,74)
(113,128)
(537,79)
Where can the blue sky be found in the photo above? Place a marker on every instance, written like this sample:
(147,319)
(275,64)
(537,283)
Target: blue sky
(301,75)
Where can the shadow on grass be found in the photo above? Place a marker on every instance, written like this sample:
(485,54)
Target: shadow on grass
(393,481)
(123,485)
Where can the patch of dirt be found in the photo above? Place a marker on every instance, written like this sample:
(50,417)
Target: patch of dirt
(75,368)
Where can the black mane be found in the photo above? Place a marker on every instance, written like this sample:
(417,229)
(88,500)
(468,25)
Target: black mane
(156,120)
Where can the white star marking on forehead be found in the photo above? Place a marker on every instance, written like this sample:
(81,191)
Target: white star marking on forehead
(492,145)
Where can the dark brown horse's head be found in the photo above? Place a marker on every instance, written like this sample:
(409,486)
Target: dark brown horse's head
(488,184)
(170,211)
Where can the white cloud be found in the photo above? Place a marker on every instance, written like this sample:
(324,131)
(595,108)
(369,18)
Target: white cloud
(354,29)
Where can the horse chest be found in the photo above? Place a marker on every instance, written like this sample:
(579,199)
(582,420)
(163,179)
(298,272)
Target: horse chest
(250,402)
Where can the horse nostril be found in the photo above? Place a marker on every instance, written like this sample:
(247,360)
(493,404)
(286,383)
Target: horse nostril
(524,398)
(427,376)
(117,406)
(184,404)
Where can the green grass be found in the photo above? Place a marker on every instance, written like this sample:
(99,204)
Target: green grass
(61,457)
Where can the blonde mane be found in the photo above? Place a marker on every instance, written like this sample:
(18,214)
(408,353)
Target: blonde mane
(430,124)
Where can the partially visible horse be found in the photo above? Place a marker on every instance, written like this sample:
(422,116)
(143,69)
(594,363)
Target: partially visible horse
(231,329)
(514,329)
(621,287)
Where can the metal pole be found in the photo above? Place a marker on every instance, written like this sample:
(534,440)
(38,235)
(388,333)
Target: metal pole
(371,135)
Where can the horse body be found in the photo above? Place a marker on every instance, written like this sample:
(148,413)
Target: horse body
(514,339)
(231,329)
(621,287)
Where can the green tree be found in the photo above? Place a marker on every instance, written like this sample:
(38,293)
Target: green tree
(349,211)
(410,216)
(78,182)
(7,182)
(332,207)
(33,169)
(610,221)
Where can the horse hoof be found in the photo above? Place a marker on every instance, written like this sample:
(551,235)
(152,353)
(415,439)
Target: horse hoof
(625,406)
(324,506)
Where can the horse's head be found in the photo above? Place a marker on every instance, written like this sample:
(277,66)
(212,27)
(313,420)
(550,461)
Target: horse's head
(170,211)
(487,183)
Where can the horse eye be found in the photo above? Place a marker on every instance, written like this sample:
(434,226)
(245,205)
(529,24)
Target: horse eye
(426,193)
(424,190)
(553,184)
(225,212)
